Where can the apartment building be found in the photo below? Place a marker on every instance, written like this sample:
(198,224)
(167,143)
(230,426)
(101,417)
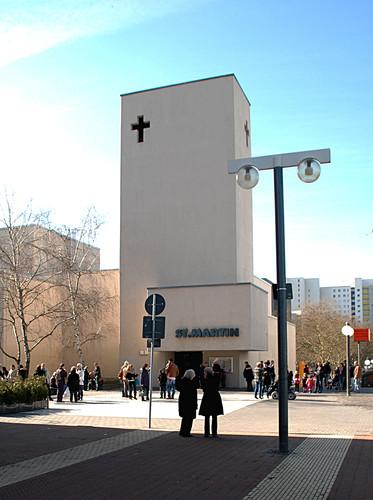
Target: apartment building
(355,301)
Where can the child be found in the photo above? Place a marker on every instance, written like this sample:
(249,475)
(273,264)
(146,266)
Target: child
(296,381)
(310,383)
(162,379)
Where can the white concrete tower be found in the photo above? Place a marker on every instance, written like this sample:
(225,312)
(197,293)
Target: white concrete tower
(184,220)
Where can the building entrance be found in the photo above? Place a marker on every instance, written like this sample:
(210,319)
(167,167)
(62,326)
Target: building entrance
(187,360)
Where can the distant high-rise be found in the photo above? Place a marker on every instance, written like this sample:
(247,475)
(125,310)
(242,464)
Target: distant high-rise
(305,291)
(354,301)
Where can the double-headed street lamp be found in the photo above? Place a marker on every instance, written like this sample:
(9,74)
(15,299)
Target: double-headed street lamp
(247,174)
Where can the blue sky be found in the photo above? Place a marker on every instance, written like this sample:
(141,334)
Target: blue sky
(306,68)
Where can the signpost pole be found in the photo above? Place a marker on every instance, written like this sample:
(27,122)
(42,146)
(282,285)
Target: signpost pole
(151,362)
(348,365)
(348,332)
(154,305)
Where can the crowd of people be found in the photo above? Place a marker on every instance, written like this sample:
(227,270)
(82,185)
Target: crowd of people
(263,376)
(132,384)
(261,380)
(79,379)
(209,379)
(313,379)
(13,373)
(320,377)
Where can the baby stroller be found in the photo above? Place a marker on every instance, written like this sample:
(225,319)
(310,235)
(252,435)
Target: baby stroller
(273,391)
(91,382)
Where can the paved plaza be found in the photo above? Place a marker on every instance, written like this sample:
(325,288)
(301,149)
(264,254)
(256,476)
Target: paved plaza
(107,447)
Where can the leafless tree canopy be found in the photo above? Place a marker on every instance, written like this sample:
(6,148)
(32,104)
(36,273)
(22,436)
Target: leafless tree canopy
(79,261)
(319,335)
(47,280)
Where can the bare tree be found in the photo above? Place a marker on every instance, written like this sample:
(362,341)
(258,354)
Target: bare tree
(49,279)
(319,336)
(80,265)
(30,302)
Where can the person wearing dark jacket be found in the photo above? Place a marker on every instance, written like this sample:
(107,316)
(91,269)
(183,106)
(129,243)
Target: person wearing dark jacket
(97,375)
(21,372)
(211,405)
(162,379)
(86,378)
(144,381)
(187,387)
(73,384)
(131,377)
(61,375)
(39,372)
(266,377)
(248,376)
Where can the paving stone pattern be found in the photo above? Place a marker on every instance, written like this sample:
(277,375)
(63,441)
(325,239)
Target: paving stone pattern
(62,454)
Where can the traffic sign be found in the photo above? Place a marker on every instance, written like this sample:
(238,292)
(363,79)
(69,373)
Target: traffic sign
(147,327)
(361,334)
(157,343)
(160,304)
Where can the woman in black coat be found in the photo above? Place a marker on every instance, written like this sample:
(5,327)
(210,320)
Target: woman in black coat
(211,402)
(73,384)
(187,387)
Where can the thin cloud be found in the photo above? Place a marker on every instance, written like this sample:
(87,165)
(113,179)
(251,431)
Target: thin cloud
(29,27)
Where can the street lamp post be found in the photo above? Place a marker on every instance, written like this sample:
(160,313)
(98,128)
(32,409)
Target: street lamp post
(247,174)
(347,332)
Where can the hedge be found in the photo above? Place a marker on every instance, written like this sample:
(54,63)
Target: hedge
(19,391)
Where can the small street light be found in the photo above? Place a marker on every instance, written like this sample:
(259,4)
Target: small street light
(348,332)
(247,175)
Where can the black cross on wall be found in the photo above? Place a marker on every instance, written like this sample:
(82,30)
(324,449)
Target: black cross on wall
(140,126)
(247,131)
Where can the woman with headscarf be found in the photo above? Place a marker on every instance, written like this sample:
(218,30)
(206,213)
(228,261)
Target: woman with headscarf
(187,387)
